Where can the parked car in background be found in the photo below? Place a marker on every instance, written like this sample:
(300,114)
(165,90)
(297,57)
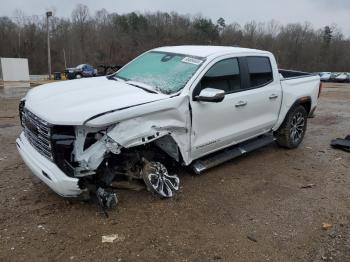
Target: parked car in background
(342,78)
(329,77)
(83,70)
(325,76)
(333,77)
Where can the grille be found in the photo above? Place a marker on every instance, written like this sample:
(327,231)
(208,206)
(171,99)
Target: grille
(38,133)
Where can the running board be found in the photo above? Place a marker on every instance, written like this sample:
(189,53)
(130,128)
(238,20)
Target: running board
(233,152)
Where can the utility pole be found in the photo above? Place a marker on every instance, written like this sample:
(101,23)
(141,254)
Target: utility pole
(64,57)
(48,14)
(19,41)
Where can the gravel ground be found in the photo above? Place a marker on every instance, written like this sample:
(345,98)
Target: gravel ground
(250,209)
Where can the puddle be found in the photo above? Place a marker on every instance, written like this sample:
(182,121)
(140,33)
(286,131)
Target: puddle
(14,90)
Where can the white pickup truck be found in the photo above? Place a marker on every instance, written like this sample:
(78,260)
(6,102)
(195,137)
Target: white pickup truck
(194,105)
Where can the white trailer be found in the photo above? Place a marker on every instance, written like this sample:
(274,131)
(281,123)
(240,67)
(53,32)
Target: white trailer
(14,69)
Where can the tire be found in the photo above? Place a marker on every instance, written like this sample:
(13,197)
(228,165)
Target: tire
(292,131)
(78,76)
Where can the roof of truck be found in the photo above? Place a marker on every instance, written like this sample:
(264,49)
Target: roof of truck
(207,50)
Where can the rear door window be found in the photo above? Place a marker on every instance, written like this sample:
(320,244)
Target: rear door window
(260,71)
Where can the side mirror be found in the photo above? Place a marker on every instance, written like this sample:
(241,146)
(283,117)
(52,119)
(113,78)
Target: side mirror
(210,95)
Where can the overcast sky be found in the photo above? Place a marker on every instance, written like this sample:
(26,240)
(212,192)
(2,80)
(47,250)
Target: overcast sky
(318,12)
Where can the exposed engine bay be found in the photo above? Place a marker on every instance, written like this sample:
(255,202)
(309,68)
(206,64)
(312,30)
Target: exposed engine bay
(99,161)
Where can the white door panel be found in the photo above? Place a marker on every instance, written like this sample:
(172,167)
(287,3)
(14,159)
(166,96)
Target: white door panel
(240,116)
(212,125)
(217,125)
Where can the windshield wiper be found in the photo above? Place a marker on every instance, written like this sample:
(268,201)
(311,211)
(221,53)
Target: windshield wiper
(113,77)
(143,86)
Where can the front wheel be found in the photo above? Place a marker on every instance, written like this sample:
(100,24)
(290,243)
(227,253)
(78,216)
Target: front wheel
(292,131)
(158,180)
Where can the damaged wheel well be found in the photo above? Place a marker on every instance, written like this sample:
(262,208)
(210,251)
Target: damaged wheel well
(169,146)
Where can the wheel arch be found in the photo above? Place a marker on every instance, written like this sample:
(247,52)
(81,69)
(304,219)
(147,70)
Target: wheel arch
(168,145)
(293,128)
(304,101)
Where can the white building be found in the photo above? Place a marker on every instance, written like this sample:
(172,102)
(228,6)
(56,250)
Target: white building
(14,69)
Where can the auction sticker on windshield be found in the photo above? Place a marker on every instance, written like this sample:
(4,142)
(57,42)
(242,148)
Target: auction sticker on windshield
(191,60)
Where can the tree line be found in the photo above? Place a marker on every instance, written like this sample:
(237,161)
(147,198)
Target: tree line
(111,38)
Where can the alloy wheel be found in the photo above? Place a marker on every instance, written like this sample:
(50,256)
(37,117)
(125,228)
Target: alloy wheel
(297,127)
(159,181)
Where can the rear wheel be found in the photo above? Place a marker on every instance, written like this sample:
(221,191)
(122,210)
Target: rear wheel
(293,129)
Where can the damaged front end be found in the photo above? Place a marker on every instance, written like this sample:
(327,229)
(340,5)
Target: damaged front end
(138,150)
(100,163)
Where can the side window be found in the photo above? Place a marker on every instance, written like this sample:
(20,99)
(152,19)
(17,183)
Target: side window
(223,75)
(260,71)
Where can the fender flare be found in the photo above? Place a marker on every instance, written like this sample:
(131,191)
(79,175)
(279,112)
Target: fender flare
(304,100)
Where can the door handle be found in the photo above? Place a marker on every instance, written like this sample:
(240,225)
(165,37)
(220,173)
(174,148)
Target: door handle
(241,103)
(273,96)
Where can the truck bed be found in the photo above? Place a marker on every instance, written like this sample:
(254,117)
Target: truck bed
(298,85)
(293,74)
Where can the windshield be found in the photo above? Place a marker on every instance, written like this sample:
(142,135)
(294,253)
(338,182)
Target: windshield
(166,72)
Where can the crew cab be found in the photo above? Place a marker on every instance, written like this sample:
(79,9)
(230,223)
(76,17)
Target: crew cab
(197,106)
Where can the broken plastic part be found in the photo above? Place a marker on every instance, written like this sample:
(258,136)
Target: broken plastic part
(106,199)
(91,157)
(342,143)
(112,146)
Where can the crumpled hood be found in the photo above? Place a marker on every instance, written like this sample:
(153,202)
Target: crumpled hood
(73,102)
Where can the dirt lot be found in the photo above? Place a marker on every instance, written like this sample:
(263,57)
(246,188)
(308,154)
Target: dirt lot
(250,209)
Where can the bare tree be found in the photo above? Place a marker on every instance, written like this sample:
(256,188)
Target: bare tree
(112,38)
